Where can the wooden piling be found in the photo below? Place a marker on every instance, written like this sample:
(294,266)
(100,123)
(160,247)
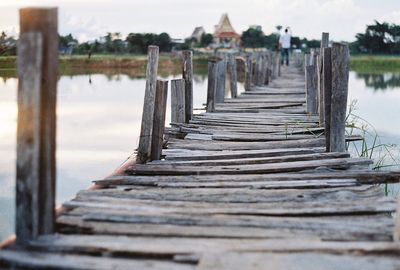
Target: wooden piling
(178,106)
(36,128)
(232,71)
(321,109)
(144,148)
(212,84)
(340,78)
(327,92)
(311,89)
(220,87)
(248,73)
(159,118)
(187,74)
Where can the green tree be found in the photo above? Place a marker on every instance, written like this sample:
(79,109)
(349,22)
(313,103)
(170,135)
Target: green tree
(253,38)
(206,39)
(8,45)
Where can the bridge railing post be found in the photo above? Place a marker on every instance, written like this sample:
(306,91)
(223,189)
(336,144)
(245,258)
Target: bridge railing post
(248,73)
(221,80)
(36,128)
(144,148)
(178,106)
(159,118)
(321,109)
(327,92)
(340,79)
(187,75)
(212,84)
(232,71)
(311,85)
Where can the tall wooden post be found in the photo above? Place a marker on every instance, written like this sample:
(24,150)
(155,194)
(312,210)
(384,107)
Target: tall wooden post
(159,119)
(396,230)
(36,129)
(327,92)
(321,109)
(212,84)
(311,89)
(220,90)
(178,101)
(232,70)
(144,148)
(248,73)
(340,79)
(187,74)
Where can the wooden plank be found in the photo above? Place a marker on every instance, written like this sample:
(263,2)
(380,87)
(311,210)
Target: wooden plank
(48,260)
(144,148)
(174,245)
(298,261)
(187,75)
(241,161)
(45,22)
(326,228)
(178,111)
(159,119)
(340,79)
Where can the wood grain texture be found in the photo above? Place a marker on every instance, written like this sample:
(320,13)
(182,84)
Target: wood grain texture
(159,119)
(187,75)
(178,106)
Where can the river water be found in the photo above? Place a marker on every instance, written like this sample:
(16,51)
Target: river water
(98,125)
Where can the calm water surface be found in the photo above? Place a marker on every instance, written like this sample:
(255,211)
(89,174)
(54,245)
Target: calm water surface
(99,124)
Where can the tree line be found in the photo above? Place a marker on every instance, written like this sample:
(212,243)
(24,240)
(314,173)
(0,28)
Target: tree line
(382,38)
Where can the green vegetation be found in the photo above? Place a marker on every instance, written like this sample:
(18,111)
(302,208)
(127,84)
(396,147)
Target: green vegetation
(374,63)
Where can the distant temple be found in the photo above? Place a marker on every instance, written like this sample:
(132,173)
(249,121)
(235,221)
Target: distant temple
(197,33)
(224,34)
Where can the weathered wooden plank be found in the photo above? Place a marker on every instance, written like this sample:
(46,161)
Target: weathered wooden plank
(40,58)
(241,161)
(187,75)
(47,260)
(144,148)
(298,261)
(261,138)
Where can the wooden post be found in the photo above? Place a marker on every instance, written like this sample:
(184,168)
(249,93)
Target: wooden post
(159,118)
(340,79)
(248,73)
(220,88)
(212,84)
(144,149)
(311,89)
(187,75)
(327,92)
(396,229)
(321,107)
(36,129)
(274,65)
(178,101)
(232,70)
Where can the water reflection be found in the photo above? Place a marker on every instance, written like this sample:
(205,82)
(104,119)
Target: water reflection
(381,81)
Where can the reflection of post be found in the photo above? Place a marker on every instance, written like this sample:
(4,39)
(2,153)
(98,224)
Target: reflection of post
(340,79)
(36,135)
(187,75)
(212,84)
(159,119)
(144,148)
(178,101)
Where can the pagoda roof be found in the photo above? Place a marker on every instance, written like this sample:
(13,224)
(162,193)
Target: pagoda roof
(224,28)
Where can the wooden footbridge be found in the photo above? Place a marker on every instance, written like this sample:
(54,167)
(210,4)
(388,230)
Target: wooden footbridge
(261,180)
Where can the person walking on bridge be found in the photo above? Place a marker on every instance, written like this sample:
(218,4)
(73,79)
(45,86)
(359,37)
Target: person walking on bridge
(284,45)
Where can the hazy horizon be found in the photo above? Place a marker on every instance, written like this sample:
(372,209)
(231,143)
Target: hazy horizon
(90,19)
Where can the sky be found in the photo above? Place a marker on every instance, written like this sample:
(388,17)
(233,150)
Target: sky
(89,19)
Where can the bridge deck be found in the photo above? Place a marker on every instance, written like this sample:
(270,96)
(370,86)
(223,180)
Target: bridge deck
(249,187)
